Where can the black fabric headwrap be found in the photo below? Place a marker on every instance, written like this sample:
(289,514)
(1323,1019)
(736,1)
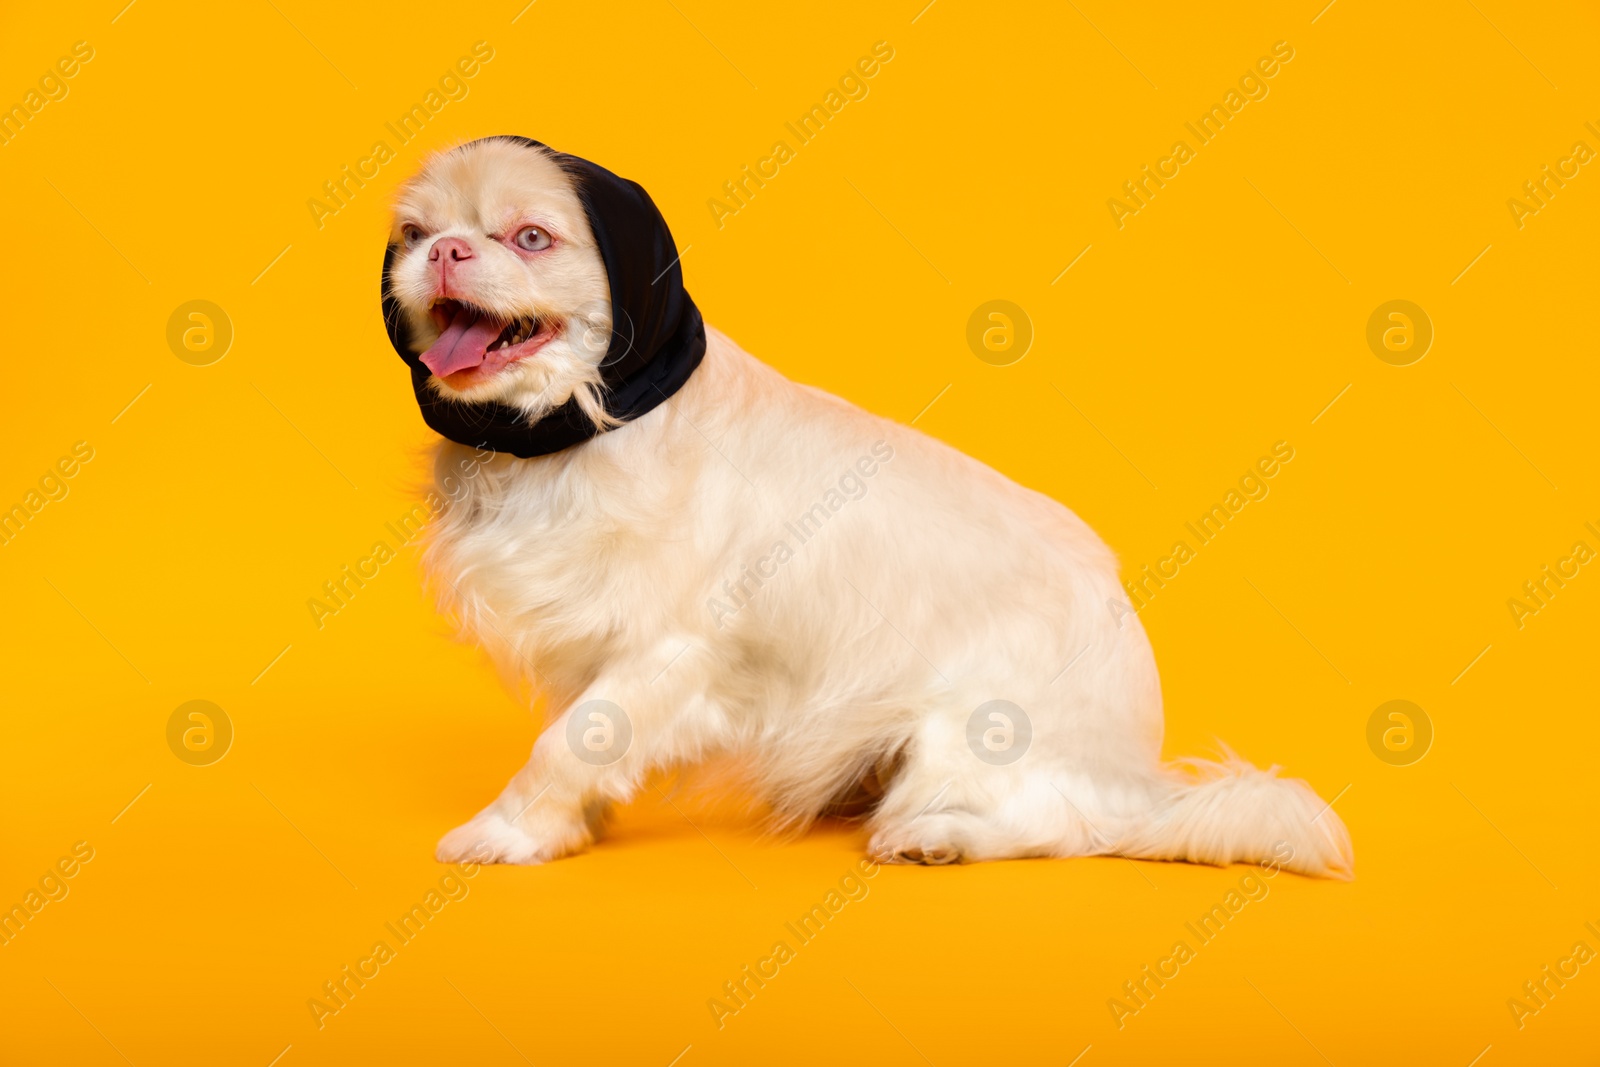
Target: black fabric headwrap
(657,337)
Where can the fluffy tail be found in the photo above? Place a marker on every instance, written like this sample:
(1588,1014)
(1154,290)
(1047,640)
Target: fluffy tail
(1231,811)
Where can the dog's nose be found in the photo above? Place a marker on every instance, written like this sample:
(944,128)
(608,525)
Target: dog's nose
(454,247)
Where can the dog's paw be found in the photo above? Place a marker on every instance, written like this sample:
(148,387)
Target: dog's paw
(927,841)
(492,838)
(931,856)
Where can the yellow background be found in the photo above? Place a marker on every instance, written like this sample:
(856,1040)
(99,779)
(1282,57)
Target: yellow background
(1225,316)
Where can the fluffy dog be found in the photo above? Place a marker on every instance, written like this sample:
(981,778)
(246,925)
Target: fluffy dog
(755,570)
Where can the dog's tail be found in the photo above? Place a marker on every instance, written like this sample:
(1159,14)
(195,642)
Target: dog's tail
(1229,811)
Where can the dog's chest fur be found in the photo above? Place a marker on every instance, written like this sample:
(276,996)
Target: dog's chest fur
(561,562)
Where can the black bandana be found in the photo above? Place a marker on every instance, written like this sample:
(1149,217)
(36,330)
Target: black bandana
(657,338)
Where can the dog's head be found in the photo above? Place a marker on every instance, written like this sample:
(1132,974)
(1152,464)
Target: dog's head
(499,277)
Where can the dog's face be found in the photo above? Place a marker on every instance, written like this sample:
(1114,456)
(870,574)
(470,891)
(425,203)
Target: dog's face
(500,279)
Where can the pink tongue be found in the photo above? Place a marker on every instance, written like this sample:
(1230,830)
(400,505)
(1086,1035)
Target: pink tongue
(464,343)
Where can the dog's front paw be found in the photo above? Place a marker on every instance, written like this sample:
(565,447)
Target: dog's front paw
(493,838)
(489,838)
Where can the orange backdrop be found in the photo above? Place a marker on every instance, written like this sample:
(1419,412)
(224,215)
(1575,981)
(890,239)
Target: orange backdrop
(187,484)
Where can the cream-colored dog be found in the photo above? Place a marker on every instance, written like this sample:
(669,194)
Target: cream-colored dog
(758,571)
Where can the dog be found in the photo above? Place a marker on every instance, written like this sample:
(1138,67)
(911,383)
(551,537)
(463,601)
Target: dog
(751,570)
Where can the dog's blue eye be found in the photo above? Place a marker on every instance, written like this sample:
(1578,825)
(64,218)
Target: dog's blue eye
(532,239)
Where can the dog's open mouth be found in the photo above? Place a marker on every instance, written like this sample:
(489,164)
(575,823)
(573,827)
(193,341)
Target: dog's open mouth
(475,344)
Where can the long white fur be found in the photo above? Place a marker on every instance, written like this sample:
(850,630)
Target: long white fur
(597,572)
